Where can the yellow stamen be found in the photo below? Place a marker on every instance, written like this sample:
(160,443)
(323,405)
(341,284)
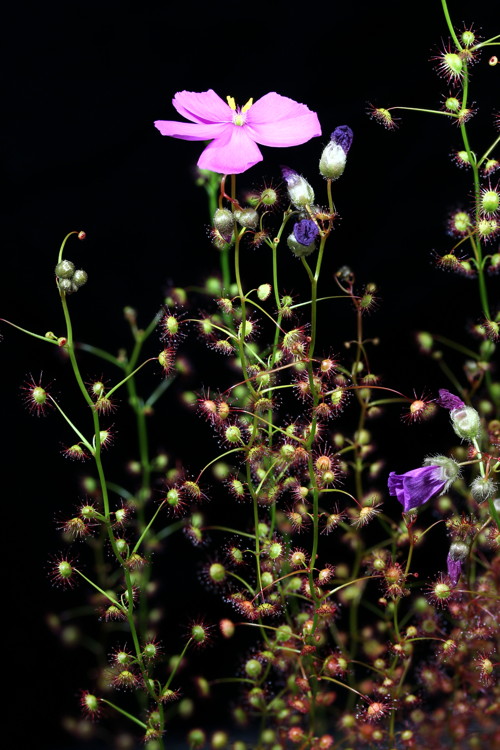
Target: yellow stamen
(231,102)
(247,105)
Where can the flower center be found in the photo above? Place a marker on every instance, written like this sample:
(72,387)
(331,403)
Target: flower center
(239,116)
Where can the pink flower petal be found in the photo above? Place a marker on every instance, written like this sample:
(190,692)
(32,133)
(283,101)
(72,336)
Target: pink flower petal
(276,120)
(234,153)
(202,107)
(190,131)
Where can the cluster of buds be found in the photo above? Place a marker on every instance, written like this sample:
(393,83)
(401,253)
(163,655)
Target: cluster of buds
(314,221)
(69,279)
(227,222)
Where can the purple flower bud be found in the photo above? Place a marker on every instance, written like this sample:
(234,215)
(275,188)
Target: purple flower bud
(300,192)
(456,560)
(343,136)
(448,400)
(305,231)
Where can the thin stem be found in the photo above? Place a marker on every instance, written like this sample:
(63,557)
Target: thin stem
(124,713)
(450,25)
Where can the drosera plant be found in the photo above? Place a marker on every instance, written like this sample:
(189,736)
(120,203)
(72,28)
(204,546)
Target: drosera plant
(342,637)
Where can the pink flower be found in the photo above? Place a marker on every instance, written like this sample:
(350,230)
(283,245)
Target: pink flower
(273,120)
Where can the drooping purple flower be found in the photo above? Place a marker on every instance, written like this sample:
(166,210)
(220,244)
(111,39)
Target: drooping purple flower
(273,120)
(448,400)
(415,487)
(305,231)
(455,561)
(343,136)
(454,569)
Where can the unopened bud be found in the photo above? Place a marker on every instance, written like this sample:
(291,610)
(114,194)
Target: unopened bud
(65,286)
(300,191)
(263,291)
(334,156)
(248,218)
(65,269)
(79,278)
(224,222)
(298,248)
(466,422)
(483,489)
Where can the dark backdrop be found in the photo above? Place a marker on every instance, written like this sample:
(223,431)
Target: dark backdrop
(83,83)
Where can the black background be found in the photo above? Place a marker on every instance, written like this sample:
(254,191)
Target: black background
(83,83)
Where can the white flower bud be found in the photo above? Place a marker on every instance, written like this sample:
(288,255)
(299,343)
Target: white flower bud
(333,161)
(466,422)
(300,192)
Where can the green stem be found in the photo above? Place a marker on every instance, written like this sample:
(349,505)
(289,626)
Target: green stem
(30,333)
(106,594)
(450,25)
(73,427)
(124,713)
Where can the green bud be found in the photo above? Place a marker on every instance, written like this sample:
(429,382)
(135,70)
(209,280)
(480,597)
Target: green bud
(65,269)
(465,422)
(217,572)
(299,250)
(263,291)
(248,218)
(65,286)
(333,161)
(253,668)
(79,278)
(224,222)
